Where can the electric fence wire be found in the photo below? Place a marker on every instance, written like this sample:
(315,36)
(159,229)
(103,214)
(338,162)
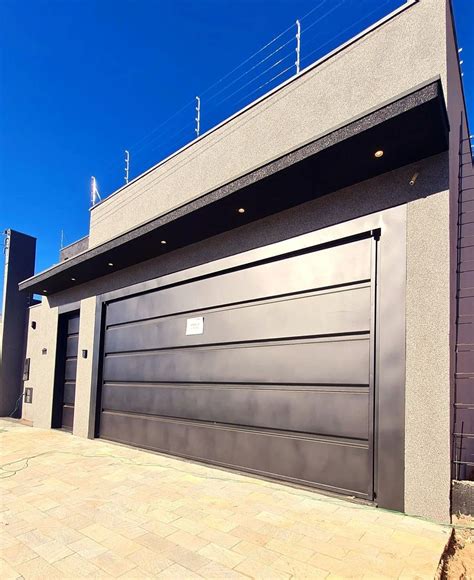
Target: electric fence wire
(224,89)
(281,73)
(140,191)
(347,29)
(189,127)
(218,82)
(225,99)
(198,150)
(281,47)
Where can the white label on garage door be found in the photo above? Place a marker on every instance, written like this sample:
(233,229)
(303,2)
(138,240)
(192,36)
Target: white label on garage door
(195,325)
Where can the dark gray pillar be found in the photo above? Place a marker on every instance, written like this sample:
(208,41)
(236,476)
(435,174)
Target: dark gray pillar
(20,251)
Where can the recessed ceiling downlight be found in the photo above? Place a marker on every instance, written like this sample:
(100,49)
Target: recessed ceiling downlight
(163,242)
(241,210)
(378,153)
(110,264)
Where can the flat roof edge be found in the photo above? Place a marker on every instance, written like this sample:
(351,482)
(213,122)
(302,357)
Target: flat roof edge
(408,4)
(408,100)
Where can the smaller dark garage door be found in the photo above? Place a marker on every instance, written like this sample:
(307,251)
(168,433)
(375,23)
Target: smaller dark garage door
(66,369)
(265,369)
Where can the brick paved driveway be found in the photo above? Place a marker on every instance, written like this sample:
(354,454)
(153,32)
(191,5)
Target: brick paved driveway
(89,508)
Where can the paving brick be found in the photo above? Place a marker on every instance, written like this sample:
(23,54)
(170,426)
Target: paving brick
(37,569)
(186,558)
(298,569)
(137,574)
(256,569)
(120,545)
(6,540)
(63,534)
(219,572)
(17,554)
(95,532)
(177,571)
(189,525)
(113,564)
(53,551)
(18,527)
(220,538)
(87,548)
(33,538)
(154,542)
(256,552)
(163,516)
(244,533)
(289,549)
(150,561)
(99,516)
(221,555)
(187,540)
(330,548)
(7,572)
(159,528)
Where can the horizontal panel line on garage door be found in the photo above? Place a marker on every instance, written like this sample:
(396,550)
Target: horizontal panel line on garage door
(283,434)
(310,361)
(320,387)
(342,313)
(337,265)
(311,292)
(243,343)
(335,412)
(305,462)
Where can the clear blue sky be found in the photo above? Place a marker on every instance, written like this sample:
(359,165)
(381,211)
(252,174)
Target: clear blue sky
(82,80)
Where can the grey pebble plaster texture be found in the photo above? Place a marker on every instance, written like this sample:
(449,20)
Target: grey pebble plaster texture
(427,398)
(322,98)
(41,349)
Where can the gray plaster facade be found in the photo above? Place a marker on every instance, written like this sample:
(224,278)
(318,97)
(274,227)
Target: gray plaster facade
(407,50)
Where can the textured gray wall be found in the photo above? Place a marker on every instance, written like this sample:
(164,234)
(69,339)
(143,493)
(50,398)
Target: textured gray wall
(427,394)
(73,249)
(41,365)
(404,52)
(84,368)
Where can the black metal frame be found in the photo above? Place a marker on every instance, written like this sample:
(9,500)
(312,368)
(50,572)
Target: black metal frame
(389,227)
(64,312)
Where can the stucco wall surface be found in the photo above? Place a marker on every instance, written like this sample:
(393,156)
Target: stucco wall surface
(82,411)
(427,390)
(404,52)
(41,365)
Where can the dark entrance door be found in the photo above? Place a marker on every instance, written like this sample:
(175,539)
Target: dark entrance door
(266,369)
(66,368)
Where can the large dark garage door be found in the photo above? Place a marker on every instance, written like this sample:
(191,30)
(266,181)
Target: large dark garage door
(266,369)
